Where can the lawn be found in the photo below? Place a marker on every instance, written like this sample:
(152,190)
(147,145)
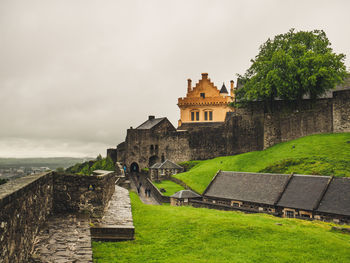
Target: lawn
(170,187)
(186,234)
(322,154)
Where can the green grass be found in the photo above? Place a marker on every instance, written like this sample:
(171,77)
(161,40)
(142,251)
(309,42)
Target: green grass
(323,154)
(186,234)
(170,187)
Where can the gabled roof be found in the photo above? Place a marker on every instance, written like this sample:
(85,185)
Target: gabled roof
(155,166)
(150,123)
(185,194)
(251,187)
(337,197)
(223,89)
(304,191)
(167,164)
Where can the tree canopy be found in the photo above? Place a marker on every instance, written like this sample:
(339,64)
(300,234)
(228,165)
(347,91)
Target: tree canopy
(290,66)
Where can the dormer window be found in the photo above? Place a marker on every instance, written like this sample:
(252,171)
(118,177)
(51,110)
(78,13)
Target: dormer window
(202,95)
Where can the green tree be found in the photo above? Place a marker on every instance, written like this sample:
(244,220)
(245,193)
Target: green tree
(290,66)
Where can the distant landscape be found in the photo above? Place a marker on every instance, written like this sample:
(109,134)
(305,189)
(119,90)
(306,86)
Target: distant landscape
(52,162)
(12,168)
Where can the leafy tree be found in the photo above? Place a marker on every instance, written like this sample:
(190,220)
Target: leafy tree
(2,181)
(60,169)
(290,66)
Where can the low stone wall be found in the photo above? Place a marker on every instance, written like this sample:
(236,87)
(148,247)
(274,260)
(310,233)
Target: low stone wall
(25,204)
(202,204)
(156,192)
(82,194)
(179,182)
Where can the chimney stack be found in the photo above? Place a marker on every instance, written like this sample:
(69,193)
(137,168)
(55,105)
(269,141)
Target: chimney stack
(189,85)
(232,88)
(204,75)
(151,117)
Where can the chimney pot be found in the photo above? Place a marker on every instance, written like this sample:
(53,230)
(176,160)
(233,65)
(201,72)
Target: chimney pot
(204,75)
(189,85)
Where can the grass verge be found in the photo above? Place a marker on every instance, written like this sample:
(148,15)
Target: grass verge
(170,187)
(322,154)
(186,234)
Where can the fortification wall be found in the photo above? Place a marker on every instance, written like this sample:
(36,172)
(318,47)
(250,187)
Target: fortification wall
(341,111)
(248,129)
(82,194)
(165,144)
(287,121)
(26,203)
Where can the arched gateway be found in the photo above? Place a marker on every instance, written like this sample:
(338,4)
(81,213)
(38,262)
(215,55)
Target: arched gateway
(134,167)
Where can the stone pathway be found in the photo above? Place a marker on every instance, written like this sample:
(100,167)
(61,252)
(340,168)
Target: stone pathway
(119,209)
(65,238)
(145,199)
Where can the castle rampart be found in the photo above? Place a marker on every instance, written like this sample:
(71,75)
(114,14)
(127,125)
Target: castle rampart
(247,129)
(26,203)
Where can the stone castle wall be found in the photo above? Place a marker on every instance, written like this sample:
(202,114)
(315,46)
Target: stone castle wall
(82,194)
(26,203)
(341,111)
(248,129)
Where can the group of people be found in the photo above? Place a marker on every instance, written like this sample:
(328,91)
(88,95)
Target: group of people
(147,190)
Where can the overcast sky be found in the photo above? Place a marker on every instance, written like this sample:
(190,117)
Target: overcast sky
(74,75)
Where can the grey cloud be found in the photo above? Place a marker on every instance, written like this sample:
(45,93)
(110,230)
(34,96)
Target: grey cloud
(74,75)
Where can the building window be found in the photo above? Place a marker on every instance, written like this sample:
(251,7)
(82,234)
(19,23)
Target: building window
(208,115)
(202,95)
(195,115)
(289,214)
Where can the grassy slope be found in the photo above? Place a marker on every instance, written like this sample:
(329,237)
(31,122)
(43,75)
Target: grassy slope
(170,187)
(187,234)
(325,154)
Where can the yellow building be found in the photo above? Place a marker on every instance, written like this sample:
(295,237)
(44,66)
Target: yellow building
(204,102)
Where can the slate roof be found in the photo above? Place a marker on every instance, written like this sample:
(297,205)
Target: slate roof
(167,164)
(149,124)
(155,166)
(251,187)
(185,194)
(304,191)
(223,89)
(337,197)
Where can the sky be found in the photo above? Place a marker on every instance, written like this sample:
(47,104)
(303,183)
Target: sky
(75,74)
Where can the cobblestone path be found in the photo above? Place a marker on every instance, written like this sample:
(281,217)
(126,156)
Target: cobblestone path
(145,199)
(65,238)
(119,209)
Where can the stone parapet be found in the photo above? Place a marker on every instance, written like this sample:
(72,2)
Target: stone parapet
(82,194)
(25,204)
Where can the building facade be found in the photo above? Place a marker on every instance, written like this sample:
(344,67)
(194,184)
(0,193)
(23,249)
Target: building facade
(204,102)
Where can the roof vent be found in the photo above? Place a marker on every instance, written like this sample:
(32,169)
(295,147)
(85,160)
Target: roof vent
(151,117)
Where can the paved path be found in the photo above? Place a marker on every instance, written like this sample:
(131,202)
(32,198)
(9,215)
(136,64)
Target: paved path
(145,199)
(119,209)
(65,238)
